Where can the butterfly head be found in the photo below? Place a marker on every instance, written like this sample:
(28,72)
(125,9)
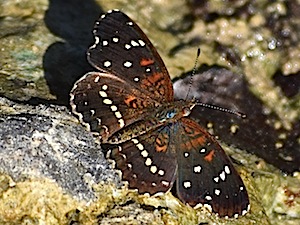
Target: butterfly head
(175,111)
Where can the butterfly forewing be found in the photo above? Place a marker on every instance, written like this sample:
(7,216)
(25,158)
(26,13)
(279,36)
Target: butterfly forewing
(123,49)
(146,163)
(206,174)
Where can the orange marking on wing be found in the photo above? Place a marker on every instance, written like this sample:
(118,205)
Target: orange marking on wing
(194,143)
(162,143)
(155,77)
(150,80)
(161,148)
(129,99)
(209,156)
(146,62)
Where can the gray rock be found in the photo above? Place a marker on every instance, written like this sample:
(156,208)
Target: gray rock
(46,142)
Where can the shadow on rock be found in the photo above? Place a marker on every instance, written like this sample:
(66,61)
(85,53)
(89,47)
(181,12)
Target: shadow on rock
(65,61)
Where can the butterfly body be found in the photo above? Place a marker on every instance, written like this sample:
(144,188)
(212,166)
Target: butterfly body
(129,104)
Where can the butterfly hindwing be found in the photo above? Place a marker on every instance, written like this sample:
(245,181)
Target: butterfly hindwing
(206,174)
(146,162)
(106,103)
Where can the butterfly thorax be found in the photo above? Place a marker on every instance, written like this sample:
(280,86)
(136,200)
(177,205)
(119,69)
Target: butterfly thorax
(163,115)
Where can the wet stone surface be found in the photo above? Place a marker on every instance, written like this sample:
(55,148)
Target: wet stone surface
(40,142)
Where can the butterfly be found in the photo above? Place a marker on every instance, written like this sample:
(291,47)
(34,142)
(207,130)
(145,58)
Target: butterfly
(128,103)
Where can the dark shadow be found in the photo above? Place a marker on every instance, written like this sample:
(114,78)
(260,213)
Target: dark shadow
(65,61)
(290,85)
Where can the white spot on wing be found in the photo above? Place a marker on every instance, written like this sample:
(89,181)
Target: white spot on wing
(161,172)
(134,43)
(216,179)
(114,108)
(223,176)
(103,94)
(227,169)
(135,141)
(208,197)
(217,192)
(99,121)
(153,169)
(144,154)
(141,42)
(104,42)
(97,40)
(197,169)
(165,183)
(127,64)
(107,101)
(121,123)
(115,39)
(107,64)
(202,150)
(118,115)
(186,154)
(140,146)
(127,46)
(148,162)
(187,184)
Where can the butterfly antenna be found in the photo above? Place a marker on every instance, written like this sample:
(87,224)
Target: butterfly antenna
(193,72)
(239,114)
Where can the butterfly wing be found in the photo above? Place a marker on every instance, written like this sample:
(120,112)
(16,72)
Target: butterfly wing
(132,82)
(122,49)
(147,162)
(106,103)
(206,175)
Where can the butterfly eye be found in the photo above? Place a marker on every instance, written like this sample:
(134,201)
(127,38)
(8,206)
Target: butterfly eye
(186,111)
(171,114)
